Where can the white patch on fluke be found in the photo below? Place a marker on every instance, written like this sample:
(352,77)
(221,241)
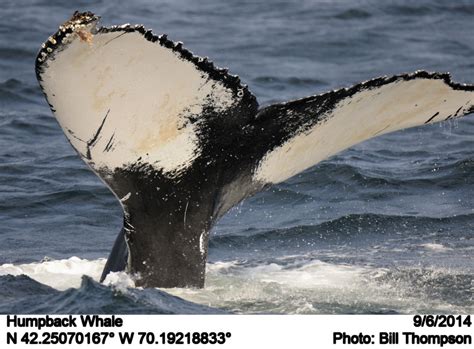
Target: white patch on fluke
(146,90)
(369,113)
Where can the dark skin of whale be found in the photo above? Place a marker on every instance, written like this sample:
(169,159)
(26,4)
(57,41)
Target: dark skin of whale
(168,217)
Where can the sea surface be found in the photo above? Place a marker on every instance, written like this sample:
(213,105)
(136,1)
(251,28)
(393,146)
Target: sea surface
(384,227)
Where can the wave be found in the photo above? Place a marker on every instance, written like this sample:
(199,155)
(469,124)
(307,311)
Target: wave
(341,181)
(353,14)
(357,226)
(284,82)
(450,173)
(89,297)
(16,92)
(429,8)
(291,284)
(71,286)
(11,53)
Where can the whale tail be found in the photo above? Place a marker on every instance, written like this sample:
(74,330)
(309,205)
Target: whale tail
(179,141)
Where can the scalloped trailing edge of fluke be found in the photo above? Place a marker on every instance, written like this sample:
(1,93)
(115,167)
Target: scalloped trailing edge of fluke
(86,23)
(381,80)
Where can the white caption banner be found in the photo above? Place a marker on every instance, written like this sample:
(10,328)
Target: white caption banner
(235,331)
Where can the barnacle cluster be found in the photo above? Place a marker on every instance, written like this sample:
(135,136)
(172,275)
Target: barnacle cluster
(81,24)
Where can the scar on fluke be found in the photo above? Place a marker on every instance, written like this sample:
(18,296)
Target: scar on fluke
(380,131)
(118,36)
(90,143)
(85,36)
(94,139)
(109,143)
(431,118)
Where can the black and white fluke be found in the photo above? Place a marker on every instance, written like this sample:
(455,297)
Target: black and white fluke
(179,141)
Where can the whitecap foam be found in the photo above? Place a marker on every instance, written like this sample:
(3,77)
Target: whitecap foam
(313,286)
(119,280)
(435,247)
(276,288)
(60,274)
(296,285)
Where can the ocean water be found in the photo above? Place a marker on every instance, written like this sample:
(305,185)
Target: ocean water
(385,227)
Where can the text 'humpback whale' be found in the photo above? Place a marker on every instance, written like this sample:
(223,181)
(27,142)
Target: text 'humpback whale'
(179,141)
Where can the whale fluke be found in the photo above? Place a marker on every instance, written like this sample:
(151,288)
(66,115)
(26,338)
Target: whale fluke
(180,141)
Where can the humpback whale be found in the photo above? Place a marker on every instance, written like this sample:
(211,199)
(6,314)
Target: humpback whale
(179,141)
